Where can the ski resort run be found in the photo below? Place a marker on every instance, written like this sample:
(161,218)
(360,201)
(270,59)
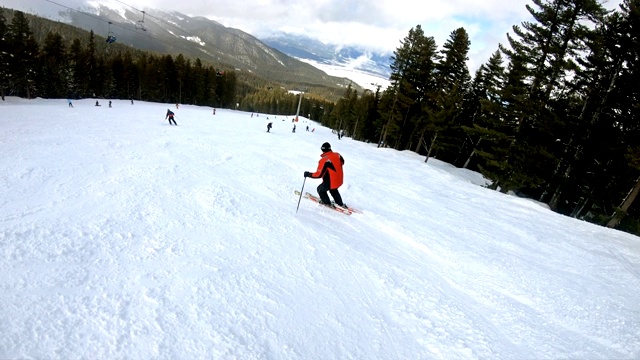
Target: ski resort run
(124,237)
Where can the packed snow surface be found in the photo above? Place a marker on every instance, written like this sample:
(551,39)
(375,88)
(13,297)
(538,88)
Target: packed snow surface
(124,237)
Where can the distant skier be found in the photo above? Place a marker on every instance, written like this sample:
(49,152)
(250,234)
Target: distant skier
(70,103)
(269,126)
(170,115)
(330,171)
(131,101)
(214,111)
(109,103)
(97,103)
(307,127)
(294,128)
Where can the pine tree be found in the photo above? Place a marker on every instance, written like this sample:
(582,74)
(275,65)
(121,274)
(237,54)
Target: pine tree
(547,49)
(5,75)
(225,88)
(365,112)
(169,83)
(99,76)
(592,87)
(454,88)
(369,127)
(180,66)
(53,70)
(592,168)
(426,83)
(488,130)
(185,72)
(117,66)
(626,117)
(199,82)
(92,67)
(132,76)
(24,51)
(410,67)
(345,117)
(79,71)
(500,114)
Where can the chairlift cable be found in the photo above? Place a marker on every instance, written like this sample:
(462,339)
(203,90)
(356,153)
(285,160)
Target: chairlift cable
(153,17)
(122,27)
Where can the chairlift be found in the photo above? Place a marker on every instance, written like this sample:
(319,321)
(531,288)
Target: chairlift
(140,23)
(110,37)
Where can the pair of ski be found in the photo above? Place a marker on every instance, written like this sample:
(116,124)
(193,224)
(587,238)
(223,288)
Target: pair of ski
(346,211)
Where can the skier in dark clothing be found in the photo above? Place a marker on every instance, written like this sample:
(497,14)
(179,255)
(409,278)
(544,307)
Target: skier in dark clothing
(330,171)
(269,126)
(170,117)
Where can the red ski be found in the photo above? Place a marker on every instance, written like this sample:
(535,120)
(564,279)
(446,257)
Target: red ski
(347,211)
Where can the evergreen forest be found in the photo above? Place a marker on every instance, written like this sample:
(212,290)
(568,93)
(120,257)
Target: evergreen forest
(553,115)
(47,59)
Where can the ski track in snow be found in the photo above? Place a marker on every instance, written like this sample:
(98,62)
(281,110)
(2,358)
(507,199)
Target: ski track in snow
(123,236)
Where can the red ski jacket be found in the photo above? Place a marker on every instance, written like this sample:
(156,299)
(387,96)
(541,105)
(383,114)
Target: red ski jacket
(330,169)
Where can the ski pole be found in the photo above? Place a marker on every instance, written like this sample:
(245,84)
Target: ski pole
(301,190)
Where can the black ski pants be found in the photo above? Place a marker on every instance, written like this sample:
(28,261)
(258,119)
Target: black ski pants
(322,192)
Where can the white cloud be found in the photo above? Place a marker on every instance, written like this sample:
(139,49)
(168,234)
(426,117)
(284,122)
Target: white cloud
(378,26)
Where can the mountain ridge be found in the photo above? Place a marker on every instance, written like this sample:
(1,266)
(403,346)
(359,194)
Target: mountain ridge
(199,37)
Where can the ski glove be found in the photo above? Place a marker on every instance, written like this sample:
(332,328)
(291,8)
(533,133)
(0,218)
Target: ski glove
(307,174)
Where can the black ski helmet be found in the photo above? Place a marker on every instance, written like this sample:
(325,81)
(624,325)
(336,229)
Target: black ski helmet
(325,147)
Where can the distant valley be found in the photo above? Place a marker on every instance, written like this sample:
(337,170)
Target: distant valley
(368,69)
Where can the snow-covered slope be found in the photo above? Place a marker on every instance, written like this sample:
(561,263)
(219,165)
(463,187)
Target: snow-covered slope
(124,237)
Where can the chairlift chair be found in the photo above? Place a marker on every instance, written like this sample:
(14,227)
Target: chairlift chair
(110,37)
(140,23)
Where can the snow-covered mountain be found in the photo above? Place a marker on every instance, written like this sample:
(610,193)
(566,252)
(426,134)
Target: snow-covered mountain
(368,66)
(305,47)
(281,57)
(177,33)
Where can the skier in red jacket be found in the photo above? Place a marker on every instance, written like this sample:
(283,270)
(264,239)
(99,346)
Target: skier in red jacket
(330,171)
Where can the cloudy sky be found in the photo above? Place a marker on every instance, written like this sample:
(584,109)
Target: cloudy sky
(375,25)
